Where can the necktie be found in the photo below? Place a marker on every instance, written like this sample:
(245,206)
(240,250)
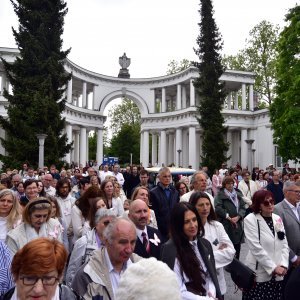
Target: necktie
(145,241)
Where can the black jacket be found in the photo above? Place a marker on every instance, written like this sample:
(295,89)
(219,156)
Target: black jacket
(169,253)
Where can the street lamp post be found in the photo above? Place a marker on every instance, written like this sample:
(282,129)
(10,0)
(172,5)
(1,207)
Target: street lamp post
(41,138)
(131,159)
(179,151)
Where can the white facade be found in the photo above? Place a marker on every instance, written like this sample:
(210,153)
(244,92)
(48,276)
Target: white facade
(168,111)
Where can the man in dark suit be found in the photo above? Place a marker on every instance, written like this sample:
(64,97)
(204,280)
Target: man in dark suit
(149,239)
(289,212)
(163,197)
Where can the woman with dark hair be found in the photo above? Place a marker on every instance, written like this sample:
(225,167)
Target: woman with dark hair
(107,188)
(268,254)
(37,270)
(41,190)
(81,209)
(190,256)
(230,210)
(215,233)
(181,187)
(20,192)
(37,222)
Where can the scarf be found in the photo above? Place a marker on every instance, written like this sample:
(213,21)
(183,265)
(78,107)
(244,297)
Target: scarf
(233,197)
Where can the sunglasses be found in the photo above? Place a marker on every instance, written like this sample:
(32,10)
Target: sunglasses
(268,202)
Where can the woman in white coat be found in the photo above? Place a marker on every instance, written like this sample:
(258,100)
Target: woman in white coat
(268,248)
(215,233)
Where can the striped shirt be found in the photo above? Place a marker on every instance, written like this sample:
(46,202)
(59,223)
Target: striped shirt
(6,280)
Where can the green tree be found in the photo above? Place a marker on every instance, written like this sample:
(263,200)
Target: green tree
(175,66)
(126,141)
(210,89)
(259,56)
(285,110)
(125,113)
(38,79)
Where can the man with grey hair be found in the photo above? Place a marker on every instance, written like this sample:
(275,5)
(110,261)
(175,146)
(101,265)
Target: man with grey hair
(118,175)
(198,184)
(100,277)
(92,240)
(276,187)
(289,212)
(16,179)
(163,197)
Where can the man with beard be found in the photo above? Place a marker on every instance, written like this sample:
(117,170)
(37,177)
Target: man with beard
(149,239)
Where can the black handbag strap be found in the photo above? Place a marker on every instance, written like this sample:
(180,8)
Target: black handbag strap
(258,228)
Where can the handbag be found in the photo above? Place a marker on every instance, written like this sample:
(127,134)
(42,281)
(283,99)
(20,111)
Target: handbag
(241,275)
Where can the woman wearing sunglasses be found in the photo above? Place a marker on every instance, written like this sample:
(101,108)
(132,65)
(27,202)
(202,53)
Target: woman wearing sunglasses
(268,248)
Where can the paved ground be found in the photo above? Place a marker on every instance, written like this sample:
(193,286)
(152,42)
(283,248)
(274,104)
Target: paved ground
(231,295)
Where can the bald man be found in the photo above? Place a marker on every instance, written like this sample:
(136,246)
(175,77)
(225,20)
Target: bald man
(149,239)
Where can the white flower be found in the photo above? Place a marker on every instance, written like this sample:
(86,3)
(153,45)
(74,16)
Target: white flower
(156,240)
(278,226)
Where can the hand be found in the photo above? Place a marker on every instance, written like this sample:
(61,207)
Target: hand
(297,262)
(222,246)
(280,271)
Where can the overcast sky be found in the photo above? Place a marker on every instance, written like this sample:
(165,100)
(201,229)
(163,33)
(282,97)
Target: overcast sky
(152,33)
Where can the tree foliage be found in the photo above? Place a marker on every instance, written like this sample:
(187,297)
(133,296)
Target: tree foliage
(285,111)
(210,89)
(126,141)
(259,56)
(38,79)
(175,66)
(125,113)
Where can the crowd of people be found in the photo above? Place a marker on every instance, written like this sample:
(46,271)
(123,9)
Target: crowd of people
(90,233)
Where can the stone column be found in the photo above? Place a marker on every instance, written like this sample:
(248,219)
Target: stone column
(87,145)
(141,146)
(184,162)
(146,149)
(251,105)
(244,99)
(192,93)
(163,100)
(171,148)
(229,152)
(69,140)
(236,100)
(192,147)
(178,101)
(70,91)
(244,148)
(84,102)
(154,149)
(76,147)
(163,148)
(82,146)
(99,155)
(94,97)
(249,143)
(41,138)
(183,96)
(178,143)
(229,100)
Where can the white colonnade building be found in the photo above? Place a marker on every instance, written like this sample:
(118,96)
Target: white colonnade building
(168,106)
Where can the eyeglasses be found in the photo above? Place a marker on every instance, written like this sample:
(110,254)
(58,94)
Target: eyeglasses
(32,280)
(297,192)
(268,202)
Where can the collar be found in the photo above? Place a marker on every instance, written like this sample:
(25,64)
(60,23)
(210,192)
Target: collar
(194,242)
(164,187)
(139,232)
(291,205)
(111,267)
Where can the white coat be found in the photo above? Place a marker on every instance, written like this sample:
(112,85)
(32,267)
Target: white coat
(269,251)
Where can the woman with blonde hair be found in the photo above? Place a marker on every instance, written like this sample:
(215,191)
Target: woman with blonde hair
(10,212)
(37,222)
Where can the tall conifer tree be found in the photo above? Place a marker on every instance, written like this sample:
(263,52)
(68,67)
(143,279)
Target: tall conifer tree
(38,83)
(210,89)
